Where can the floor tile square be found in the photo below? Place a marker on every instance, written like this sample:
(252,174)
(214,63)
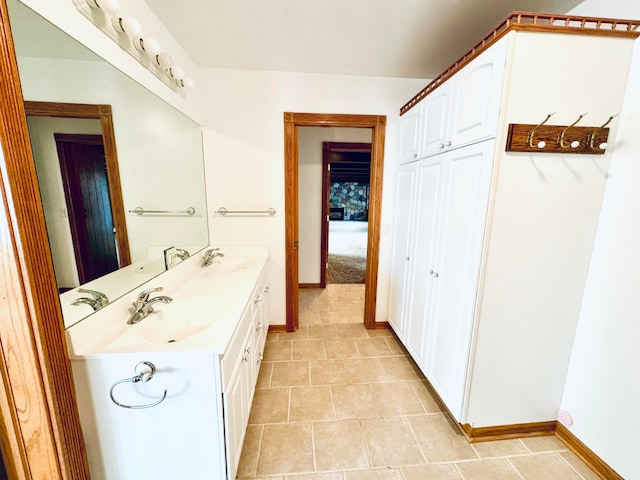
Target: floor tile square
(339,445)
(290,374)
(308,350)
(354,401)
(270,405)
(396,398)
(328,372)
(286,448)
(310,403)
(440,440)
(390,442)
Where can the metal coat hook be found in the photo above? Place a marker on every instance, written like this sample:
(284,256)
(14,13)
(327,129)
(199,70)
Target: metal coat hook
(143,374)
(541,144)
(575,143)
(592,137)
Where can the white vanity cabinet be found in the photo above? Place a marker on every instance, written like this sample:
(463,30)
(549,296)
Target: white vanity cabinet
(240,369)
(492,248)
(197,430)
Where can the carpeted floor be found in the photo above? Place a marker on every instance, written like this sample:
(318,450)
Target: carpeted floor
(347,252)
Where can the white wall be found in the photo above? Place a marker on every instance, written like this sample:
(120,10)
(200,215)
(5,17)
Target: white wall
(602,391)
(310,141)
(244,151)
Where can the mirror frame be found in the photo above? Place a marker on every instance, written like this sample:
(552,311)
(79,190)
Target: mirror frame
(103,114)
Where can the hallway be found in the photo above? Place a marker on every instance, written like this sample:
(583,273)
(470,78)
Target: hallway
(335,401)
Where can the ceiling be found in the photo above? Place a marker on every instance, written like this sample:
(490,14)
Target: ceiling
(401,38)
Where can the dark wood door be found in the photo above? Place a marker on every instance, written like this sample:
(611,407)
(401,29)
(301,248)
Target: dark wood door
(84,175)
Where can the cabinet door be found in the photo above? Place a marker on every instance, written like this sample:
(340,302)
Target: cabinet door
(475,103)
(465,195)
(435,119)
(238,392)
(402,244)
(409,123)
(422,293)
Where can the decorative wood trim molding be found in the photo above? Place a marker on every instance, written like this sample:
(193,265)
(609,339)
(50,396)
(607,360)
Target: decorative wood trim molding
(533,22)
(504,432)
(103,114)
(310,285)
(585,454)
(291,123)
(38,403)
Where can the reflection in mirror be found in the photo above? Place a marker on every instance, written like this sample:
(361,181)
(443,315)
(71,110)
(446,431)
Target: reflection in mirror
(159,158)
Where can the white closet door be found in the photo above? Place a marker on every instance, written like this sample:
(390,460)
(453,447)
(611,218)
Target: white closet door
(464,207)
(402,244)
(422,293)
(409,128)
(435,121)
(475,102)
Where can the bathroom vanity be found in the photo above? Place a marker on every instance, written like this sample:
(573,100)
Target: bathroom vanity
(169,397)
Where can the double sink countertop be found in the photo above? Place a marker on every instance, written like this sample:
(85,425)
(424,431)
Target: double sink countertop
(207,305)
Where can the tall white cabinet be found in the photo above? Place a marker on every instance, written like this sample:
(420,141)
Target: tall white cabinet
(491,248)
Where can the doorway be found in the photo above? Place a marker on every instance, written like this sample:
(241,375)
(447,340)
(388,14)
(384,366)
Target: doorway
(71,259)
(86,187)
(346,168)
(292,122)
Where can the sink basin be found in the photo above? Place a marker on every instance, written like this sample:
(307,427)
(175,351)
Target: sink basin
(180,319)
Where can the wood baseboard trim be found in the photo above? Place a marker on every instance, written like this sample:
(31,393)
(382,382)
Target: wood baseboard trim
(310,285)
(277,329)
(381,326)
(504,432)
(585,454)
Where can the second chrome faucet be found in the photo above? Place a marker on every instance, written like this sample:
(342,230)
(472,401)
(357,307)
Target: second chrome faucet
(143,305)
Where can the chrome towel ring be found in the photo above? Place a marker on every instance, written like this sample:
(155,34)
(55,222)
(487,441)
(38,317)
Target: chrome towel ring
(144,372)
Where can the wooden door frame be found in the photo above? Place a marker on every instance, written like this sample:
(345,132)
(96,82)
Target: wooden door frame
(41,434)
(103,114)
(291,123)
(327,149)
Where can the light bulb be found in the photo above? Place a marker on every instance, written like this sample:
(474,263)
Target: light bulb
(127,25)
(164,60)
(147,45)
(176,72)
(109,6)
(187,82)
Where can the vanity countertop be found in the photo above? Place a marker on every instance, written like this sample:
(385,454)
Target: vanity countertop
(207,305)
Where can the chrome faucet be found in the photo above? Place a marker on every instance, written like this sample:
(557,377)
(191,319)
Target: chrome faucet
(143,305)
(96,301)
(182,254)
(209,255)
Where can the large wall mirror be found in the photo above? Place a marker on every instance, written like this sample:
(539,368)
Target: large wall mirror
(160,167)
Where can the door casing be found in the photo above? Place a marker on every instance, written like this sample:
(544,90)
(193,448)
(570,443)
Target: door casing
(377,124)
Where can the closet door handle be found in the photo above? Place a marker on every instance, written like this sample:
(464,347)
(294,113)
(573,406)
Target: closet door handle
(448,144)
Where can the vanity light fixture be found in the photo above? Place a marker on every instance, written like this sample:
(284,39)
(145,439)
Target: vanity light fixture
(147,45)
(145,49)
(186,82)
(176,72)
(127,25)
(109,6)
(164,60)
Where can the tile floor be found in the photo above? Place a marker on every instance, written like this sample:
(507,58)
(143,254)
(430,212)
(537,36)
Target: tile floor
(337,402)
